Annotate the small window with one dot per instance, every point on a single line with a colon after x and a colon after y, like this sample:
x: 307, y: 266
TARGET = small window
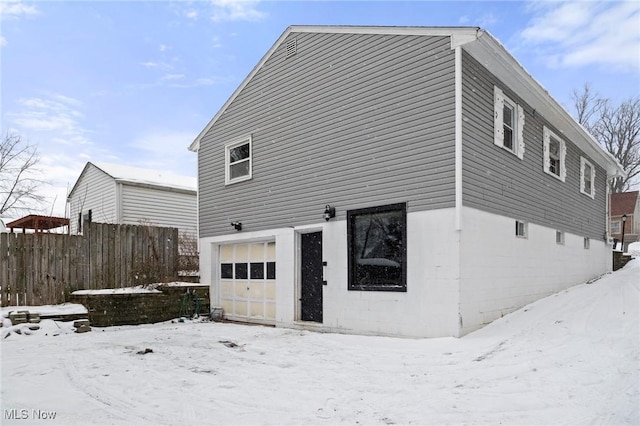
x: 271, y: 270
x: 521, y: 229
x: 559, y: 237
x: 587, y: 177
x: 242, y: 271
x: 555, y: 152
x: 615, y: 227
x: 587, y: 243
x: 238, y: 161
x: 256, y: 270
x: 377, y: 248
x: 226, y: 270
x: 508, y: 123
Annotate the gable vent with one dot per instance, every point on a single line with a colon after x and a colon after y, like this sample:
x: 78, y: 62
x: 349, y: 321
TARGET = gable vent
x: 292, y: 47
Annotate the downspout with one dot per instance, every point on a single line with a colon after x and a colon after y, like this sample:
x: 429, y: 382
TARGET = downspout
x: 458, y: 176
x: 118, y: 211
x: 607, y: 232
x: 458, y: 138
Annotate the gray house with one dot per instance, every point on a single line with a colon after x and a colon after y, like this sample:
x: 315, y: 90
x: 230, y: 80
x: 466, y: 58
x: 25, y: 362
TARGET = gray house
x: 398, y: 181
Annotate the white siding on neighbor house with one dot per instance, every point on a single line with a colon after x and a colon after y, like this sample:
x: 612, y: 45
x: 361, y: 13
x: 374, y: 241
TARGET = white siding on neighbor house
x: 500, y: 272
x: 159, y: 207
x: 429, y: 308
x: 95, y: 191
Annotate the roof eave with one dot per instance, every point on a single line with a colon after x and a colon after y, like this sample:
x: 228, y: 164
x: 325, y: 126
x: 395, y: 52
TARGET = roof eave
x: 493, y: 56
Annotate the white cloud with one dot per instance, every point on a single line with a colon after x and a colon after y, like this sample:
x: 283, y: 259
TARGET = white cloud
x: 486, y: 20
x: 574, y: 34
x: 191, y: 14
x: 14, y: 9
x: 167, y: 150
x: 236, y: 10
x: 3, y: 41
x: 172, y: 77
x: 57, y: 113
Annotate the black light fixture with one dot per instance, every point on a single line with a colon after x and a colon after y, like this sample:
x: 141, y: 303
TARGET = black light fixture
x: 624, y: 220
x: 329, y: 212
x: 237, y: 226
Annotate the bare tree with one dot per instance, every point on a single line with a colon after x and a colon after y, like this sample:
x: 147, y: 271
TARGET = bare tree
x: 616, y: 128
x: 18, y: 170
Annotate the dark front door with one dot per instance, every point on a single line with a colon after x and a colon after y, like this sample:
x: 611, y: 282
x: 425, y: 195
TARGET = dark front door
x: 311, y: 276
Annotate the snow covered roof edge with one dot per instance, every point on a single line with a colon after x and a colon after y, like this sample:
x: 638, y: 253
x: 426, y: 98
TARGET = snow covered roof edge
x: 140, y: 176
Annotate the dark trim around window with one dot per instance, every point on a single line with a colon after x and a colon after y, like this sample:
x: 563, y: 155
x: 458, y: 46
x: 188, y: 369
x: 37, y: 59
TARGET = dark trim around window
x: 381, y: 264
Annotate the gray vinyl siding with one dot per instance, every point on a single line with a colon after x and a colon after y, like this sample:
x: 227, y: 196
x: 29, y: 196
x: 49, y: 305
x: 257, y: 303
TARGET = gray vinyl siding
x: 95, y: 191
x: 496, y: 181
x: 350, y: 120
x: 159, y: 207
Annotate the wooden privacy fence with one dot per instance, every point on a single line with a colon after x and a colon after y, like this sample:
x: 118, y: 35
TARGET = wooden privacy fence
x: 43, y: 269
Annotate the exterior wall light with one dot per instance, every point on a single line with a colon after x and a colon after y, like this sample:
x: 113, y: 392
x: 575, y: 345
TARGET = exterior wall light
x: 329, y: 212
x: 237, y: 226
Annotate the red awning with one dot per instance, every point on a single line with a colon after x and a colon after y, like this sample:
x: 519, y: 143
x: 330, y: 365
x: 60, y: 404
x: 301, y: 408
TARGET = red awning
x: 38, y: 223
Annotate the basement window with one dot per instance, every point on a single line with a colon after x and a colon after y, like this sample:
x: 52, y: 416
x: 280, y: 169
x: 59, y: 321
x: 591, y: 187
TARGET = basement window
x: 238, y: 161
x: 521, y: 229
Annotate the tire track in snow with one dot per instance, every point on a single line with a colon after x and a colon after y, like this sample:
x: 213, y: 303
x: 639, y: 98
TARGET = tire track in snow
x: 116, y: 407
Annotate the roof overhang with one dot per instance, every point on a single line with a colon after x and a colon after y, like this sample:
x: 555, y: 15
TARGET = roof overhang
x: 491, y: 54
x: 494, y: 57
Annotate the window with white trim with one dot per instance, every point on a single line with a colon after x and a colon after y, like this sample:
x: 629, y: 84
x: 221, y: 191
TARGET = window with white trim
x: 238, y: 161
x: 508, y: 123
x: 587, y: 177
x: 521, y: 229
x: 555, y: 152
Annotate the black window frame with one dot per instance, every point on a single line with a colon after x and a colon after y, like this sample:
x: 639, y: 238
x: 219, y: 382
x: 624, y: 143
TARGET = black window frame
x: 352, y: 215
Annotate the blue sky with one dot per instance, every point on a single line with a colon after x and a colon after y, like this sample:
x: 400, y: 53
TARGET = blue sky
x: 135, y: 82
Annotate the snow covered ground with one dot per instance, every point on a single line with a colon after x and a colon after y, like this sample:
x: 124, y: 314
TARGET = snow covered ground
x: 572, y: 358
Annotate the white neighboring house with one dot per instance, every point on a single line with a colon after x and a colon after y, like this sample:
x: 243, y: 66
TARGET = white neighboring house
x: 112, y: 193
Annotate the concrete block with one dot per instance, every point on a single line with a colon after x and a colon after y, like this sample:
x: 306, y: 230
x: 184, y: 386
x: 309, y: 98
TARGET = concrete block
x: 80, y: 323
x: 83, y: 329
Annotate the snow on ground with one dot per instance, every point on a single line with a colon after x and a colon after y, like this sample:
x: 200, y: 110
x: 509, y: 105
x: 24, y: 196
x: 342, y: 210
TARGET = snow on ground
x: 572, y: 358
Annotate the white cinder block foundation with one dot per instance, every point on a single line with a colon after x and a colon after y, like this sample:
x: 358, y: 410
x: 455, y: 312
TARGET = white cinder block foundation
x: 457, y: 281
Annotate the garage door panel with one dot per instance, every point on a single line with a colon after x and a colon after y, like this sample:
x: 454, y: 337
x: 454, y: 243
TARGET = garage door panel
x: 226, y: 289
x: 241, y: 289
x: 226, y: 253
x: 270, y: 290
x: 270, y: 310
x: 257, y: 290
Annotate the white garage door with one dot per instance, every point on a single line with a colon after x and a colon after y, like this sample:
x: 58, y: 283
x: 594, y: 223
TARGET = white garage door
x: 248, y: 281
